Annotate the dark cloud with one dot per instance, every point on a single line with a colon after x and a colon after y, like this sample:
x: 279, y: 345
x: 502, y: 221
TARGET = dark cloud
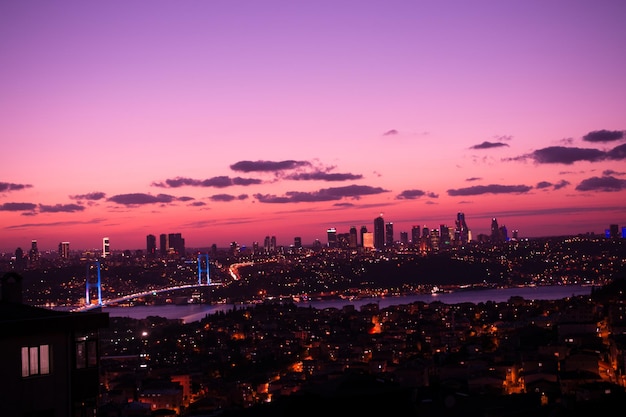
x: 390, y: 132
x: 619, y: 152
x: 612, y: 172
x: 489, y: 145
x: 606, y: 183
x: 66, y: 223
x: 546, y: 184
x: 18, y: 207
x: 198, y: 204
x: 141, y: 198
x: 603, y: 136
x: 490, y: 189
x: 565, y: 155
x: 217, y: 182
x: 267, y: 166
x: 185, y: 198
x: 61, y: 208
x: 9, y: 186
x: 228, y: 197
x: 473, y: 179
x: 89, y: 196
x: 323, y: 176
x: 413, y: 194
x: 325, y: 194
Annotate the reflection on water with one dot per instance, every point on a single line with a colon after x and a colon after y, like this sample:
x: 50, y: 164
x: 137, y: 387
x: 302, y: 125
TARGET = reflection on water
x: 194, y: 312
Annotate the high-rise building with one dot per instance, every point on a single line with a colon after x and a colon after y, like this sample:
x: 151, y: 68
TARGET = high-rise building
x: 176, y: 243
x: 389, y: 238
x: 151, y: 246
x: 33, y: 254
x: 331, y: 233
x: 404, y: 238
x: 461, y: 231
x: 273, y: 245
x: 106, y: 247
x: 363, y: 231
x: 297, y: 242
x: 266, y: 244
x: 64, y: 250
x: 415, y: 235
x: 353, y: 238
x: 379, y: 232
x: 368, y: 240
x: 614, y: 231
x: 163, y: 244
x: 495, y: 231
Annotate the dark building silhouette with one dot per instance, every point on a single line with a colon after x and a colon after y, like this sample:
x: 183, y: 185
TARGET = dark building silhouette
x: 49, y: 359
x: 379, y: 232
x: 363, y: 231
x: 461, y: 231
x: 353, y: 237
x: 389, y: 237
x: 331, y: 234
x: 151, y: 246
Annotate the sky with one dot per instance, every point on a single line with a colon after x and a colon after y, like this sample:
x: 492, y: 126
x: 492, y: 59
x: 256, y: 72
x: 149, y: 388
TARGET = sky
x: 229, y: 121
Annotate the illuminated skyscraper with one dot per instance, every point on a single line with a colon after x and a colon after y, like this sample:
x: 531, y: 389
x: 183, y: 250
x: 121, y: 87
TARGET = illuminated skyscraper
x: 64, y: 250
x: 176, y: 243
x: 353, y: 238
x: 363, y: 231
x: 368, y: 240
x: 331, y: 233
x: 379, y: 232
x: 495, y: 231
x: 106, y: 247
x: 461, y: 232
x: 389, y: 238
x: 415, y: 235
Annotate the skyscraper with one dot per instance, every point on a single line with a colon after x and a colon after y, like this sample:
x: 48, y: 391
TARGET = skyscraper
x: 106, y: 247
x: 331, y: 233
x: 64, y: 250
x: 495, y: 231
x: 389, y: 238
x: 363, y: 231
x: 461, y: 232
x: 415, y: 235
x: 163, y: 244
x: 353, y: 237
x: 379, y: 232
x: 151, y: 246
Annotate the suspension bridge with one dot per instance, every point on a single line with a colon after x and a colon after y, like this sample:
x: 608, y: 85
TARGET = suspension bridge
x: 93, y: 285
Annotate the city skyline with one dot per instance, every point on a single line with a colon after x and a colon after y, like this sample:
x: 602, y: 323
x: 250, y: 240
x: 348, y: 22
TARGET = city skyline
x: 231, y: 121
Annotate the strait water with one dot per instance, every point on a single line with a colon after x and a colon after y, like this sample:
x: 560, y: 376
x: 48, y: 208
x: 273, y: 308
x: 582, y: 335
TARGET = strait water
x: 194, y: 312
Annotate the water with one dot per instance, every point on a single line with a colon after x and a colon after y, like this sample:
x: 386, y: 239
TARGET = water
x: 194, y: 312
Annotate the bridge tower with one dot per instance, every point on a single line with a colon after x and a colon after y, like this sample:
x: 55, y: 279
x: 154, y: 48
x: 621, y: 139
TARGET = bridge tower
x: 203, y: 268
x: 93, y: 268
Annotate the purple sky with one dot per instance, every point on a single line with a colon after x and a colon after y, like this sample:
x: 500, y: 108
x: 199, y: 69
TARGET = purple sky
x: 232, y: 120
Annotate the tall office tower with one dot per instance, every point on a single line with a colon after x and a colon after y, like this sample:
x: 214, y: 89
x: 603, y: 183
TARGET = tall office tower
x: 444, y: 235
x: 266, y: 244
x: 461, y: 232
x: 297, y: 242
x: 363, y: 231
x: 389, y: 238
x: 151, y: 246
x: 176, y: 243
x: 515, y: 234
x: 425, y: 240
x: 331, y: 233
x: 163, y: 244
x: 434, y: 239
x: 379, y: 232
x: 64, y: 250
x: 255, y: 247
x: 368, y: 240
x: 353, y: 237
x: 495, y: 231
x: 33, y: 254
x: 234, y: 248
x: 415, y: 235
x: 404, y: 238
x: 503, y: 234
x: 106, y: 247
x: 273, y: 246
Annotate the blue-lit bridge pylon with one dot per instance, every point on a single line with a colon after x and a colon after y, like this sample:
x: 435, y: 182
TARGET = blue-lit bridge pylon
x: 203, y: 269
x: 93, y: 271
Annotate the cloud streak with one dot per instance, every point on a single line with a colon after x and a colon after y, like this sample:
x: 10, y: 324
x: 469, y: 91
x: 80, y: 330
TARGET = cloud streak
x: 325, y: 194
x: 60, y: 208
x: 415, y: 194
x: 90, y: 196
x: 9, y: 186
x: 323, y: 176
x: 490, y: 189
x: 489, y: 145
x: 217, y: 182
x: 603, y: 184
x: 18, y: 207
x: 136, y: 199
x: 603, y: 136
x: 268, y: 166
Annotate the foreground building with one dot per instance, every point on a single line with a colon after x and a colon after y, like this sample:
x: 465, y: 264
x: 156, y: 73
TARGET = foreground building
x: 49, y: 360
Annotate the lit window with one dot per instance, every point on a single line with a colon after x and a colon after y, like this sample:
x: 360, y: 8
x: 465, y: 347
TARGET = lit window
x: 35, y: 360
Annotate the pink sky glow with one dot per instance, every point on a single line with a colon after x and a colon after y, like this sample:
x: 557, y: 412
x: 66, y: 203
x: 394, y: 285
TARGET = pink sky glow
x: 232, y: 120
